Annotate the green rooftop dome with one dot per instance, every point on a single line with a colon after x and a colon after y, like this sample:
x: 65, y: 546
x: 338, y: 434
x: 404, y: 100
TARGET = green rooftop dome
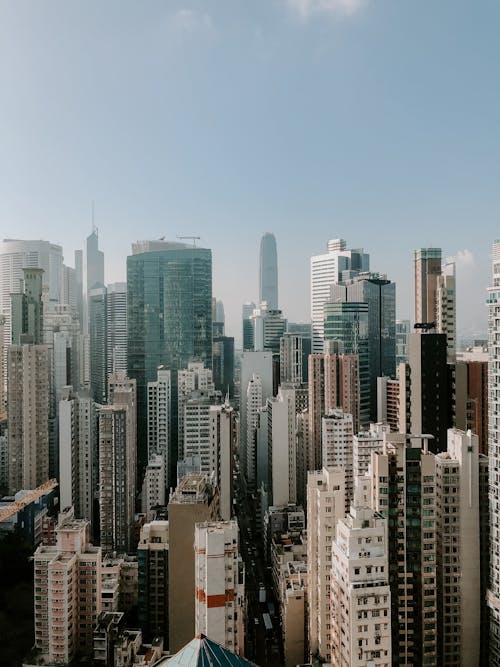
x: 203, y: 652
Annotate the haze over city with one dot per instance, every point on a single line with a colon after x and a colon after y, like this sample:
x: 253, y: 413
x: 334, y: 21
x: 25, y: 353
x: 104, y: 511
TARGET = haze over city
x: 312, y: 119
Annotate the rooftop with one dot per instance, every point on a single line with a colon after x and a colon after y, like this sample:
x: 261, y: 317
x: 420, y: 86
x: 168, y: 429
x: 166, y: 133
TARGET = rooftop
x: 203, y: 652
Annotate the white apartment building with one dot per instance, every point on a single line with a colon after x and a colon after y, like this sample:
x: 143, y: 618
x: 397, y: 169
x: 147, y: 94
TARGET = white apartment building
x: 446, y: 309
x: 336, y: 447
x: 325, y: 506
x: 193, y: 378
x: 363, y: 444
x: 159, y: 418
x: 252, y: 407
x: 493, y: 301
x: 220, y: 585
x: 153, y: 486
x: 360, y: 592
x: 67, y: 591
x: 222, y: 427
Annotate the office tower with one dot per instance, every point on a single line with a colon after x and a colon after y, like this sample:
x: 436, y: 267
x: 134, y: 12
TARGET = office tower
x: 326, y: 270
x: 223, y: 364
x: 69, y: 290
x: 435, y: 294
x: 152, y: 556
x: 360, y: 592
x: 252, y: 406
x: 117, y: 465
x: 282, y: 412
x: 116, y: 328
x: 97, y: 332
x: 268, y: 271
x: 380, y: 295
x: 67, y: 591
x: 169, y: 320
x: 304, y: 331
x: 363, y: 444
x: 325, y: 506
x: 219, y: 584
x: 333, y: 383
x: 253, y: 363
x: 403, y: 479
x: 336, y: 446
x: 262, y: 447
x: 153, y: 486
x: 403, y: 331
x: 28, y: 416
x: 222, y: 434
x: 493, y: 301
x: 195, y: 500
x: 27, y: 309
x: 268, y: 328
x: 429, y: 393
x: 346, y: 324
x: 159, y: 420
x: 458, y: 531
x: 92, y: 271
x: 247, y: 324
x: 79, y: 284
x: 388, y: 401
x: 427, y: 267
x: 291, y: 359
x: 78, y: 454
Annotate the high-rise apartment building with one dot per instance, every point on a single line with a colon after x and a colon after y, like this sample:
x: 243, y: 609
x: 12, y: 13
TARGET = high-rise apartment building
x: 336, y: 446
x: 116, y: 328
x: 169, y: 320
x: 403, y: 482
x: 117, y: 465
x: 403, y: 330
x: 326, y: 270
x: 282, y: 412
x: 494, y: 452
x: 67, y: 586
x: 152, y: 556
x: 222, y: 435
x: 253, y: 405
x: 195, y: 500
x: 27, y: 309
x: 97, y: 332
x: 28, y: 416
x: 360, y: 592
x: 219, y: 584
x: 268, y: 271
x: 325, y: 506
x: 159, y: 419
x: 153, y: 486
x: 363, y: 444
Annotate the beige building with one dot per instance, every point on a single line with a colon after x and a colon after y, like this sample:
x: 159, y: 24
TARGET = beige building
x: 67, y: 591
x: 28, y: 421
x: 360, y: 592
x: 363, y: 444
x: 458, y: 530
x: 222, y: 433
x: 219, y: 584
x: 195, y: 500
x: 325, y: 506
x: 336, y: 447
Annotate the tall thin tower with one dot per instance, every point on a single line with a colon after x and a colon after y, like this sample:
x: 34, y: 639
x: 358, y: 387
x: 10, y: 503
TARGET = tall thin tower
x: 268, y: 271
x: 493, y: 596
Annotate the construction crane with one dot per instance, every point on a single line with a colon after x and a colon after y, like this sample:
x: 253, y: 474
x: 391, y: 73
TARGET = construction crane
x: 29, y: 498
x: 192, y: 238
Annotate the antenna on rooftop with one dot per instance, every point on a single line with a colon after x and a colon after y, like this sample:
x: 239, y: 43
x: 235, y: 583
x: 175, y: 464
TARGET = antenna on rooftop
x: 192, y: 238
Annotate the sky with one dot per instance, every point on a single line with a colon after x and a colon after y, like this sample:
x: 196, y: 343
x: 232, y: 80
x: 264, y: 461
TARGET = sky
x: 377, y: 121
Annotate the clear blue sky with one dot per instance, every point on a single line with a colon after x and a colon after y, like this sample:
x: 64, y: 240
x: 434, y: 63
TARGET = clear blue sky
x: 373, y: 120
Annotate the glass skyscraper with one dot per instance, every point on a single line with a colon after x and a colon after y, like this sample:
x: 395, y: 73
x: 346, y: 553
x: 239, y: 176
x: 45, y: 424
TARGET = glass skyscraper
x: 346, y: 323
x: 169, y: 314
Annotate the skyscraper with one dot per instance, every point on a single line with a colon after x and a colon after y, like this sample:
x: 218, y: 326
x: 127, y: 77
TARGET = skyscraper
x: 494, y: 453
x: 169, y: 315
x: 92, y: 271
x: 326, y: 270
x: 268, y: 271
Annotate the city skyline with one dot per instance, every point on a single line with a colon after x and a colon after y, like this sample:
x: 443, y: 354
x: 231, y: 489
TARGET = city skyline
x: 311, y: 129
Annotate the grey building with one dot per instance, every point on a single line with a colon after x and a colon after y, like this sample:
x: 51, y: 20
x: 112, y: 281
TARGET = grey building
x: 268, y: 271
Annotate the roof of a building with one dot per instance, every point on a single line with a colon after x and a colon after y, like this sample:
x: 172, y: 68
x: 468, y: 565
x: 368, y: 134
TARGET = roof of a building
x: 203, y: 652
